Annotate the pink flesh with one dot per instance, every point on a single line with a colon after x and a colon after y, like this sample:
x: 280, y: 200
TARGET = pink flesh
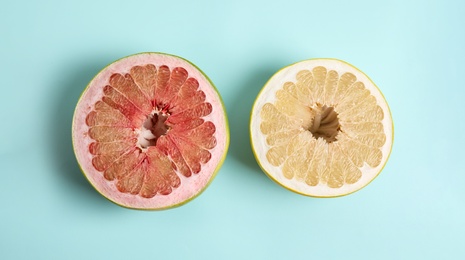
x: 128, y: 100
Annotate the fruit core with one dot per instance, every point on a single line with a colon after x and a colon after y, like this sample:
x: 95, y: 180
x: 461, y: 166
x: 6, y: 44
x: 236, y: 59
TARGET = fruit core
x: 153, y: 127
x: 325, y: 123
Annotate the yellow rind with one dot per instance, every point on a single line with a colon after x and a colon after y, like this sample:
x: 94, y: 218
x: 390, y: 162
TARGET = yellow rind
x: 220, y: 163
x: 301, y: 193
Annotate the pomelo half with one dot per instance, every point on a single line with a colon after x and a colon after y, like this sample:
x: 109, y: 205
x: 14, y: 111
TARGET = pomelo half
x: 321, y: 128
x: 150, y: 131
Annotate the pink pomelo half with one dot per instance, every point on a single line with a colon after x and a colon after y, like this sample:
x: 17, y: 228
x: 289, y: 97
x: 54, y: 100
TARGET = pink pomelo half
x: 150, y: 131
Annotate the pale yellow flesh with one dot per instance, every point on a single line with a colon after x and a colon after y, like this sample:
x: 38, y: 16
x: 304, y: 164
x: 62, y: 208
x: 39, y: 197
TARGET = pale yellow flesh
x: 324, y: 128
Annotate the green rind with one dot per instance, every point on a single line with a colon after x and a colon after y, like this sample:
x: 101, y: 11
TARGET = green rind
x: 311, y: 195
x: 220, y: 163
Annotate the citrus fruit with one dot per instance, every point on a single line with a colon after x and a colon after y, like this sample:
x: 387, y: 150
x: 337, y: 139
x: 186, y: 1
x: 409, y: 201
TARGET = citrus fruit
x: 150, y: 131
x: 321, y: 128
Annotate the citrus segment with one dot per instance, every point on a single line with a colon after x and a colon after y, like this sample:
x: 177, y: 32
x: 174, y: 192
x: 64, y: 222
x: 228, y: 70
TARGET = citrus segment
x: 280, y: 138
x: 188, y: 96
x: 150, y: 131
x: 119, y: 102
x: 317, y: 88
x: 292, y: 107
x: 177, y: 79
x: 275, y: 122
x: 96, y: 148
x: 201, y: 135
x: 106, y: 116
x: 330, y: 87
x: 194, y: 155
x: 145, y: 78
x: 187, y: 125
x: 159, y: 176
x: 346, y: 81
x: 122, y: 165
x: 303, y: 83
x: 201, y: 110
x: 128, y: 88
x: 161, y: 89
x: 321, y: 128
x: 110, y: 133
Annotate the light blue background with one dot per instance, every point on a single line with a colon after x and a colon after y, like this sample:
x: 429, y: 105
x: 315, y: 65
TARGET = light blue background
x: 413, y: 50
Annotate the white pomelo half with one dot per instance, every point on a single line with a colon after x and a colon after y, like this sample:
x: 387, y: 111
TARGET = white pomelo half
x: 321, y: 128
x: 150, y: 131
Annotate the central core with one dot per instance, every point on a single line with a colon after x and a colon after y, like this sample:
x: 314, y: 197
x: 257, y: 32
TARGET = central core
x: 152, y: 129
x: 325, y: 123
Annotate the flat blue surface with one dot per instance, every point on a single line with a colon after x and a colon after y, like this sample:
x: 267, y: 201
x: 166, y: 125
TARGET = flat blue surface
x: 414, y: 51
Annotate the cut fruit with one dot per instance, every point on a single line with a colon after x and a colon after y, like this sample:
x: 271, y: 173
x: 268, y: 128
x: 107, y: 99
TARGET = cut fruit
x: 321, y: 128
x: 150, y: 131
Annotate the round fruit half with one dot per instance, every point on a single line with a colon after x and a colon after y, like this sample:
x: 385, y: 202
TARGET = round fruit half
x: 321, y: 128
x: 150, y: 131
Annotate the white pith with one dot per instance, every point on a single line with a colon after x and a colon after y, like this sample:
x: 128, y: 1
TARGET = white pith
x: 267, y: 95
x: 144, y: 135
x: 191, y: 186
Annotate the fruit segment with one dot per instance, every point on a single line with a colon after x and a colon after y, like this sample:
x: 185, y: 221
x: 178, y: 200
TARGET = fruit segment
x: 110, y: 133
x: 159, y: 177
x: 149, y: 129
x: 201, y: 110
x: 330, y: 87
x: 123, y: 165
x: 292, y: 107
x: 162, y: 86
x: 295, y: 165
x: 318, y: 86
x: 145, y: 78
x: 104, y: 115
x: 177, y: 79
x: 188, y: 96
x: 201, y: 136
x: 167, y: 145
x: 192, y: 154
x: 304, y: 86
x: 117, y: 101
x: 96, y: 148
x: 323, y: 128
x: 281, y: 138
x: 276, y: 122
x: 317, y: 165
x: 127, y: 87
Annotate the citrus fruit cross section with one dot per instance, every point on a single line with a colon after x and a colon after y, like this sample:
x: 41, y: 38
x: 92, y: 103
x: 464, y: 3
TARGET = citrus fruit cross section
x: 321, y: 127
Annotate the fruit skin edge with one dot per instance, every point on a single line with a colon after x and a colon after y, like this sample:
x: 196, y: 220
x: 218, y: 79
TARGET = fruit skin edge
x: 220, y: 163
x: 295, y: 191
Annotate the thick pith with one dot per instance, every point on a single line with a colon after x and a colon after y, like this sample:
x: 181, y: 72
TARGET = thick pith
x: 330, y: 163
x: 111, y: 118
